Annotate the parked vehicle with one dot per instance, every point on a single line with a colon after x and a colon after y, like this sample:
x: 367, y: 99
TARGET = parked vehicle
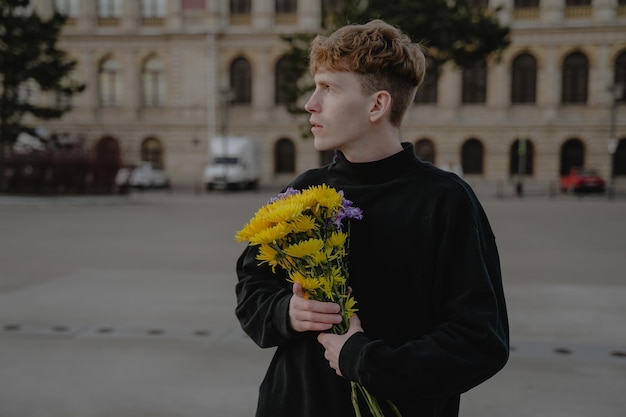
x: 580, y: 180
x: 235, y: 163
x: 142, y: 176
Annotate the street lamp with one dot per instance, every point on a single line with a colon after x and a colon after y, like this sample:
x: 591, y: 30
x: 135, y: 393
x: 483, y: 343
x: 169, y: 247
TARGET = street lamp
x: 617, y: 91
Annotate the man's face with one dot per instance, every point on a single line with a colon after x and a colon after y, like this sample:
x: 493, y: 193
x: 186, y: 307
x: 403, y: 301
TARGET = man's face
x: 339, y: 110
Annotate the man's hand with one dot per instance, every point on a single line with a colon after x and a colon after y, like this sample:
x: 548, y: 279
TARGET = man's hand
x: 310, y: 315
x: 333, y: 343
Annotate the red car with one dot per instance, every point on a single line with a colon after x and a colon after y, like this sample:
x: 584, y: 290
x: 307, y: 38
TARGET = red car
x: 581, y: 180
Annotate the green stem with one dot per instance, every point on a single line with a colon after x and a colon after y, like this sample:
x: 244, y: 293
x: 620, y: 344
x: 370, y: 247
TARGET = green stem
x: 372, y: 402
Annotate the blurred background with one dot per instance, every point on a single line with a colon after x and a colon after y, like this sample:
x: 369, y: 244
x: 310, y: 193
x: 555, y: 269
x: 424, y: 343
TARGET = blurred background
x: 517, y: 92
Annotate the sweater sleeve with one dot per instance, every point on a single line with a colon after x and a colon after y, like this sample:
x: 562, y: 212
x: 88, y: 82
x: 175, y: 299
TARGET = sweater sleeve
x: 262, y: 301
x: 469, y: 340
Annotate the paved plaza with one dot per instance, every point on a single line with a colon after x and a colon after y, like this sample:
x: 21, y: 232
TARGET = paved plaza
x: 123, y: 306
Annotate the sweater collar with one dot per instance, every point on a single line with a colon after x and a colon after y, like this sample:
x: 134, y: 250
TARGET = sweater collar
x: 379, y: 171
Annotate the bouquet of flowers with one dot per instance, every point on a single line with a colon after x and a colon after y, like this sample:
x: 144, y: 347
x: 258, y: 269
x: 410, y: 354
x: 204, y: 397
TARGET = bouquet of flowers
x: 303, y: 233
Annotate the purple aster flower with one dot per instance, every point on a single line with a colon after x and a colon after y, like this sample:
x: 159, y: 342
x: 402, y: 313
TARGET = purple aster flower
x: 287, y: 193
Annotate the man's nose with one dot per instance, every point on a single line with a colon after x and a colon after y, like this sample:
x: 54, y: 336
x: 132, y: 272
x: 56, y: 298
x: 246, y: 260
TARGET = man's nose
x: 311, y: 105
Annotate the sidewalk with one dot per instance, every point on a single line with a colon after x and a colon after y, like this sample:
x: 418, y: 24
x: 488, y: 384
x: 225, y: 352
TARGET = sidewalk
x: 126, y: 309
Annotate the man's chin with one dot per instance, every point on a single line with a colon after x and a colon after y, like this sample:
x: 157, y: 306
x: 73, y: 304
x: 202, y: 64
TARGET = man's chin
x: 322, y: 146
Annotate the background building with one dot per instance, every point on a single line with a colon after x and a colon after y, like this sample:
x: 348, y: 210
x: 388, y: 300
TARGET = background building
x: 164, y: 76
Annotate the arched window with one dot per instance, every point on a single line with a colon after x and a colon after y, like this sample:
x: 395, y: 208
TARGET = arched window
x: 427, y: 93
x: 238, y: 7
x: 109, y: 8
x: 107, y: 162
x: 425, y: 150
x: 153, y: 83
x: 572, y: 155
x: 283, y: 83
x: 619, y: 158
x: 574, y: 79
x: 620, y: 74
x: 68, y: 8
x: 110, y: 83
x: 241, y: 81
x: 284, y: 156
x: 522, y: 157
x: 286, y: 6
x: 525, y: 4
x: 524, y: 79
x: 152, y: 151
x: 474, y: 88
x: 153, y: 8
x: 472, y: 153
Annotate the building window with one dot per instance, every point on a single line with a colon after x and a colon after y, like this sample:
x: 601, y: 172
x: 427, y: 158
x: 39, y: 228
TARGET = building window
x: 67, y: 8
x: 427, y: 92
x: 194, y: 4
x: 26, y: 92
x: 63, y: 100
x: 474, y: 88
x: 284, y: 157
x: 286, y: 6
x: 526, y: 4
x: 153, y: 8
x: 283, y: 83
x: 478, y: 4
x: 619, y: 158
x: 152, y: 151
x: 572, y: 155
x: 472, y: 153
x: 571, y: 3
x: 425, y: 150
x: 241, y: 81
x: 620, y: 74
x: 524, y: 79
x: 110, y: 86
x: 240, y: 7
x: 574, y: 79
x: 153, y: 83
x: 331, y: 6
x: 109, y: 8
x: 522, y: 156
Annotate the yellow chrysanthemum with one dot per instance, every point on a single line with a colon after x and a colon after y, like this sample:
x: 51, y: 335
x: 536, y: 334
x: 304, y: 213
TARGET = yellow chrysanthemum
x: 303, y: 224
x: 269, y: 255
x: 326, y: 196
x: 337, y: 239
x: 271, y: 234
x: 338, y: 277
x: 350, y: 306
x: 305, y: 248
x: 256, y: 225
x: 309, y: 285
x: 327, y: 287
x: 318, y: 258
x: 285, y: 210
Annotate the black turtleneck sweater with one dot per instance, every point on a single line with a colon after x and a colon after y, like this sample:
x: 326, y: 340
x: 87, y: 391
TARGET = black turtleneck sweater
x: 425, y: 272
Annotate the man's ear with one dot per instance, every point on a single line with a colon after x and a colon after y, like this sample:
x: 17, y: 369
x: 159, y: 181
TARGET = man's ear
x: 381, y: 105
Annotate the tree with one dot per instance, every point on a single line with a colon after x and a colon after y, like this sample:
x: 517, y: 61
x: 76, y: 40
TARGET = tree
x: 461, y: 31
x: 30, y: 59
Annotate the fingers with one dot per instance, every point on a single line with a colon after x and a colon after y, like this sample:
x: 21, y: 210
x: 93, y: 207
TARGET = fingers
x: 311, y: 315
x: 333, y: 343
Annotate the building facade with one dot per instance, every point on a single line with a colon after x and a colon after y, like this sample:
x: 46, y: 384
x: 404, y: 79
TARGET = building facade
x: 165, y: 76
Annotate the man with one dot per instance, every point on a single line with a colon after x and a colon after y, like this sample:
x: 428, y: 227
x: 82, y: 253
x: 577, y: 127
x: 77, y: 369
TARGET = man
x: 423, y: 263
